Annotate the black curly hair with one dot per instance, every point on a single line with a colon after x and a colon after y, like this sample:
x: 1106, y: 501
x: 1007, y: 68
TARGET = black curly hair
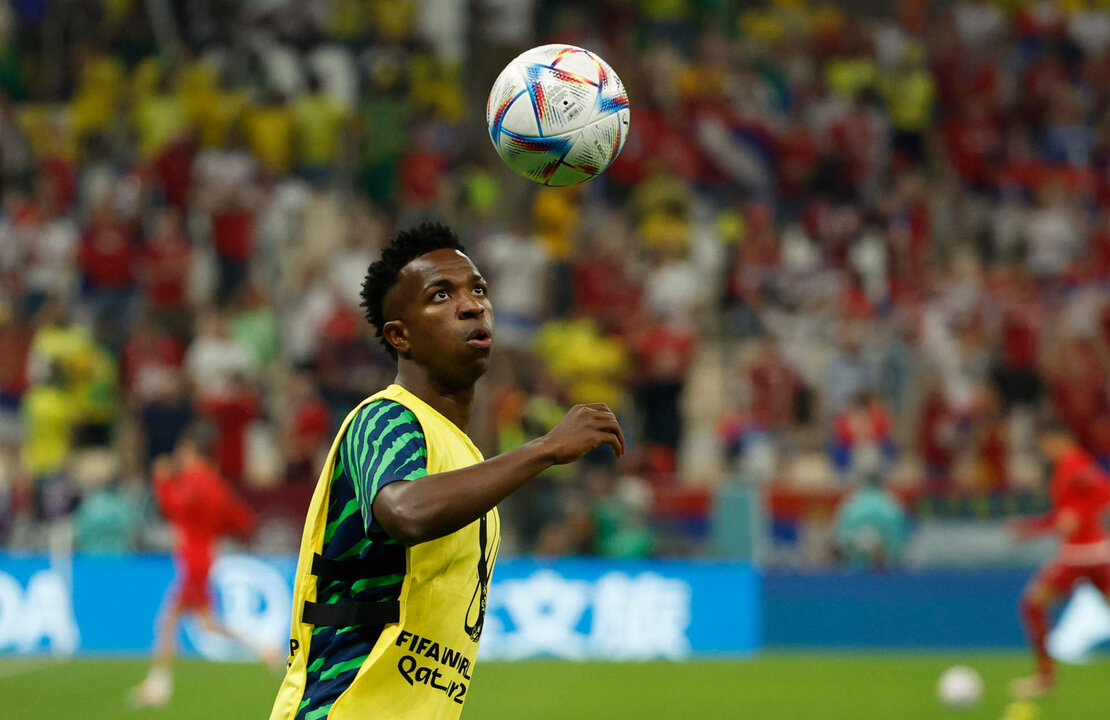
x: 382, y: 275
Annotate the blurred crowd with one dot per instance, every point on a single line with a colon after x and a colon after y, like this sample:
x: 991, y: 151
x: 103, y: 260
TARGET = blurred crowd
x: 849, y: 250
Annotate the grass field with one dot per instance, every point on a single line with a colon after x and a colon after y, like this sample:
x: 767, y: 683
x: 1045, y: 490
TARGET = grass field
x: 771, y: 687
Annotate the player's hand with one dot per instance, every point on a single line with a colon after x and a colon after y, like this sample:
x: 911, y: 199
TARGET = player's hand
x: 582, y: 429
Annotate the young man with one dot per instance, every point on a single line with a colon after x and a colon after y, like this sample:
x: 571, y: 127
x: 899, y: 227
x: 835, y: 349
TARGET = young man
x: 1080, y: 498
x: 202, y: 509
x: 402, y: 533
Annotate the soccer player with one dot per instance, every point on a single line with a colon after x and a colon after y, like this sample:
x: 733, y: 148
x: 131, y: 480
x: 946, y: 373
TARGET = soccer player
x: 202, y: 509
x: 402, y: 533
x: 1080, y: 498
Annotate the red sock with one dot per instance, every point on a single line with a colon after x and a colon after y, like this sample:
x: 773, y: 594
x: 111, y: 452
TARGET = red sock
x: 1035, y: 618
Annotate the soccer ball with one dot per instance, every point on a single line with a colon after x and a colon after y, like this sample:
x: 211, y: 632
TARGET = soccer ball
x: 558, y: 115
x: 960, y: 687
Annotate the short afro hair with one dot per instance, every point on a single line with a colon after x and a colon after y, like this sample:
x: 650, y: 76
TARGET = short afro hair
x: 383, y: 274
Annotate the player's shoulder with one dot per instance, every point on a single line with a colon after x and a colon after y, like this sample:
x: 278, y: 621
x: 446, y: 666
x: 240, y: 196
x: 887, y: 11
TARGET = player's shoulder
x: 382, y: 418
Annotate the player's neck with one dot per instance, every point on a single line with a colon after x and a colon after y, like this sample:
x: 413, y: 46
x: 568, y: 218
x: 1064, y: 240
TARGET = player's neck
x: 451, y: 403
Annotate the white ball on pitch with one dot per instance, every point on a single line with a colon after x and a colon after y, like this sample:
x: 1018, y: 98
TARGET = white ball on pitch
x: 960, y: 687
x: 558, y: 115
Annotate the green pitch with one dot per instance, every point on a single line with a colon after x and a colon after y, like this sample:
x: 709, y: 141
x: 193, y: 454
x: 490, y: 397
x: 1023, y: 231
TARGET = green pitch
x: 771, y: 687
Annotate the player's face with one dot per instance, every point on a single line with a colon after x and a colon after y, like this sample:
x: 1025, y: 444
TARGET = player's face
x: 444, y: 318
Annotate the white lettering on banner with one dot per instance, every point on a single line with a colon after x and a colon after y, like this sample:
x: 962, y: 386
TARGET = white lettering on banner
x: 44, y: 613
x: 622, y: 617
x: 639, y: 618
x: 255, y: 605
x: 545, y: 608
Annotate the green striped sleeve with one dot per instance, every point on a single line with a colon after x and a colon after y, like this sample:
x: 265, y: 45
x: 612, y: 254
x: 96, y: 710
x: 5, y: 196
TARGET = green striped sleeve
x: 384, y: 443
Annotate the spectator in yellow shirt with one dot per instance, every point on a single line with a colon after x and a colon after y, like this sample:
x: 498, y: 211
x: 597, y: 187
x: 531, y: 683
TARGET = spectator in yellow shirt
x: 160, y: 118
x: 909, y: 92
x: 49, y: 415
x: 270, y: 130
x: 320, y: 122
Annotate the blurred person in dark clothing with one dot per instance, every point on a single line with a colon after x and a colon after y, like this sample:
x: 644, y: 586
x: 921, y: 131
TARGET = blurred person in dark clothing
x: 165, y: 416
x: 664, y: 353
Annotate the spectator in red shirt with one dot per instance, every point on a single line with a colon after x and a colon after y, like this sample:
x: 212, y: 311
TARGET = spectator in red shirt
x: 776, y: 389
x: 233, y: 239
x: 148, y: 358
x: 174, y: 169
x: 163, y: 269
x: 231, y: 414
x: 862, y: 439
x: 973, y: 141
x: 1078, y: 389
x: 306, y: 430
x: 1017, y: 376
x: 663, y: 355
x: 107, y: 256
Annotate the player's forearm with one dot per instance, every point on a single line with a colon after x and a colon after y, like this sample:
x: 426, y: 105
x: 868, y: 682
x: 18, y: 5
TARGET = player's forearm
x: 437, y: 505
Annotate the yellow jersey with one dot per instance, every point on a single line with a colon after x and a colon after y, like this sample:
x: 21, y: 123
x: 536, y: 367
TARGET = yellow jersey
x: 421, y: 663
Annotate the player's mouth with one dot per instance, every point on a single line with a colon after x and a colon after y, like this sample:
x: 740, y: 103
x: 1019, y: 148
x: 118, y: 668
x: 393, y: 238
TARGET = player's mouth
x: 479, y: 338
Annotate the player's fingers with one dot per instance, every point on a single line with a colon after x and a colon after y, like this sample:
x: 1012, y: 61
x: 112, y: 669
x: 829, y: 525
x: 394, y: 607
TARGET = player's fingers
x: 606, y: 420
x: 612, y: 441
x: 614, y: 437
x: 597, y: 406
x: 620, y: 436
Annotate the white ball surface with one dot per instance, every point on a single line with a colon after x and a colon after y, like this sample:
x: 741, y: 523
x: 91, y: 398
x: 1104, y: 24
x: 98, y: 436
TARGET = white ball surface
x: 960, y: 687
x: 558, y: 115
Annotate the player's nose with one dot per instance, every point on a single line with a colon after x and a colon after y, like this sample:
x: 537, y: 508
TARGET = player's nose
x: 470, y: 307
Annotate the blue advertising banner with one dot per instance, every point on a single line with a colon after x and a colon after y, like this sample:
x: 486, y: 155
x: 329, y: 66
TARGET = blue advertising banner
x: 897, y: 609
x: 575, y: 609
x: 594, y: 609
x: 104, y: 604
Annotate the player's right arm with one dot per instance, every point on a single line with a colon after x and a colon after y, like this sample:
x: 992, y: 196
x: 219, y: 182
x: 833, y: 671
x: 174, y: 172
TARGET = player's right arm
x: 1030, y: 527
x: 432, y: 506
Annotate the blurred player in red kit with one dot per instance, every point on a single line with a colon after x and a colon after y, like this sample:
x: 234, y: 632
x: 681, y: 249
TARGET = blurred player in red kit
x: 1080, y: 494
x: 202, y: 509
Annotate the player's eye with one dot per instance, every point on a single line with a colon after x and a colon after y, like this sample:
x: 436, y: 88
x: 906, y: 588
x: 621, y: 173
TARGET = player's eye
x: 440, y: 295
x: 480, y: 290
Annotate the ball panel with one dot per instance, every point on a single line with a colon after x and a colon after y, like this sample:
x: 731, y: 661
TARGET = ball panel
x: 507, y: 85
x: 553, y: 54
x: 535, y: 158
x: 520, y: 116
x: 611, y: 96
x: 562, y: 100
x: 580, y: 64
x: 625, y: 118
x: 565, y: 175
x: 596, y: 145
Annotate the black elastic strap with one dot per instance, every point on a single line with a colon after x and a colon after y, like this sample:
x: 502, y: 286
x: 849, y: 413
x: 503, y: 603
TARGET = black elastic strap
x: 350, y: 570
x: 352, y: 613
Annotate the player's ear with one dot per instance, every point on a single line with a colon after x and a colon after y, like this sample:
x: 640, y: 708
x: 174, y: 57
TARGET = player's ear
x: 397, y: 335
